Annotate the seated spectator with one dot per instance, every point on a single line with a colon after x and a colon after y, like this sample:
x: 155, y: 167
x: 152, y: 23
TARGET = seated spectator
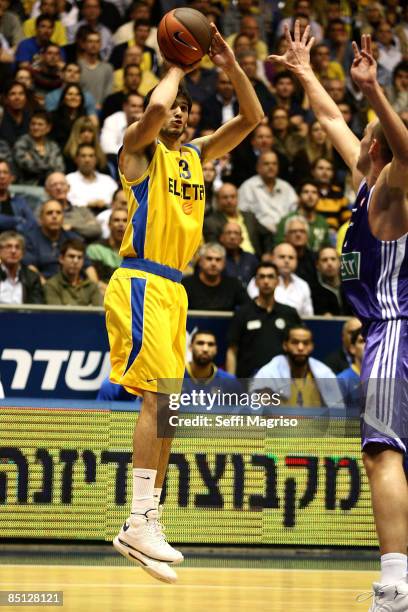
x: 209, y: 289
x: 134, y: 56
x: 349, y: 379
x: 96, y: 75
x: 18, y: 284
x: 71, y: 75
x: 221, y: 106
x: 119, y: 201
x: 291, y: 290
x: 248, y: 62
x: 301, y: 8
x: 297, y: 234
x: 234, y: 12
x: 201, y: 83
x: 338, y: 41
x: 255, y: 237
x: 45, y: 71
x: 29, y: 49
x: 70, y: 107
x: 300, y: 380
x: 285, y: 93
x: 256, y: 331
x: 35, y: 155
x: 84, y: 131
x: 328, y: 295
x: 43, y: 243
x: 316, y: 147
x: 24, y: 76
x: 341, y: 358
x: 105, y: 253
x: 90, y: 17
x: 201, y: 371
x: 211, y: 184
x: 115, y: 125
x: 249, y: 26
x: 267, y: 196
x: 318, y: 227
x: 402, y: 31
x: 141, y: 32
x: 78, y: 219
x: 10, y: 26
x: 87, y: 186
x: 47, y: 7
x: 332, y: 205
x: 288, y: 141
x: 397, y: 92
x: 15, y: 213
x: 323, y: 67
x: 68, y: 287
x: 16, y: 114
x: 132, y: 76
x: 139, y: 9
x: 239, y: 263
x: 388, y: 46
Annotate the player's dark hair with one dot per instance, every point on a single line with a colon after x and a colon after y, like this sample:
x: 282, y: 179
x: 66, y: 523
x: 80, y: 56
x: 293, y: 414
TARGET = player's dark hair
x: 286, y: 335
x: 200, y: 332
x: 73, y: 243
x: 385, y: 149
x: 355, y: 334
x: 181, y: 92
x: 267, y: 264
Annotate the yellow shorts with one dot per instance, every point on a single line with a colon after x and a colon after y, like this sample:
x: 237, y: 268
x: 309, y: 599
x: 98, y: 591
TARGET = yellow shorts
x: 146, y: 322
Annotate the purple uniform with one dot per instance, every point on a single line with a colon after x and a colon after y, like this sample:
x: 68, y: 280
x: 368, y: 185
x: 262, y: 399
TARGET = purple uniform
x: 375, y: 279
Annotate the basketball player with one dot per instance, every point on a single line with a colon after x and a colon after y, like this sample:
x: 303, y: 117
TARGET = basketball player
x: 375, y: 275
x: 146, y: 305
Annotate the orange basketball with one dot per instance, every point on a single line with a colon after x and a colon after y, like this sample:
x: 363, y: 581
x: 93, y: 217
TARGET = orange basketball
x: 184, y: 36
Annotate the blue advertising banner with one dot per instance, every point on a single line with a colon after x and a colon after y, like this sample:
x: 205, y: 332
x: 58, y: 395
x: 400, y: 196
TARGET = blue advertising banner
x: 63, y: 353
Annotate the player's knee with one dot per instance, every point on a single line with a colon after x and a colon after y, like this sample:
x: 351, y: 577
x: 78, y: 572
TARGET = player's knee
x: 377, y: 455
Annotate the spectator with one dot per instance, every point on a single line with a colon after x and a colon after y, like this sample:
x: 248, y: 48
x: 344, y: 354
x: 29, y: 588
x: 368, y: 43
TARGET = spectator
x: 291, y: 290
x: 132, y: 76
x: 134, y: 56
x: 71, y: 106
x: 397, y: 92
x: 301, y: 380
x: 71, y: 75
x: 248, y: 62
x: 29, y: 48
x: 105, y: 253
x: 250, y: 27
x: 201, y: 371
x: 141, y: 32
x: 328, y: 295
x: 256, y: 331
x: 35, y: 155
x: 45, y: 71
x: 50, y: 8
x: 297, y: 234
x: 338, y: 41
x: 268, y: 197
x: 239, y: 263
x: 341, y: 359
x: 18, y: 284
x: 194, y: 117
x: 209, y: 289
x: 333, y: 205
x: 89, y: 187
x: 90, y: 13
x: 96, y: 75
x: 221, y: 106
x: 325, y: 68
x: 15, y: 213
x: 15, y: 119
x: 116, y: 124
x: 83, y: 131
x: 118, y: 202
x: 138, y: 10
x: 255, y: 237
x: 318, y: 227
x: 287, y: 140
x: 10, y: 26
x: 211, y: 185
x: 388, y: 46
x: 43, y: 243
x: 285, y: 93
x: 316, y: 147
x: 349, y: 379
x: 233, y: 14
x: 301, y: 8
x: 201, y: 83
x: 68, y: 287
x: 78, y: 219
x: 401, y: 31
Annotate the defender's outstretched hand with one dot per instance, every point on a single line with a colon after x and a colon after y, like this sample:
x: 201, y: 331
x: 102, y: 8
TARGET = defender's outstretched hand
x: 297, y: 57
x: 364, y: 68
x: 220, y: 52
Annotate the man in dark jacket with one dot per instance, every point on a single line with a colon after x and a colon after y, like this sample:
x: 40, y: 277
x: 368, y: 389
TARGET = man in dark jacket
x: 18, y: 284
x: 327, y: 294
x: 15, y: 213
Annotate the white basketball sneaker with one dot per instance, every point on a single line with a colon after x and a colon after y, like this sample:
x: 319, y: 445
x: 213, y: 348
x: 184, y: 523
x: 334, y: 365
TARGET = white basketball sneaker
x: 390, y: 597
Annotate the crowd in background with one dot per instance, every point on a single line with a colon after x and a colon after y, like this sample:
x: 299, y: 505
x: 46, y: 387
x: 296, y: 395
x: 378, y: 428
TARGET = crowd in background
x: 72, y: 78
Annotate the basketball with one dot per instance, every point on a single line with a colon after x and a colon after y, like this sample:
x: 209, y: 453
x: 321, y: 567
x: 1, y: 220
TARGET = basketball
x: 184, y: 36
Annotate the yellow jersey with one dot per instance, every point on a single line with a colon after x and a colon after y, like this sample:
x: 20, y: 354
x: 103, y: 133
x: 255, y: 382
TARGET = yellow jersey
x: 166, y: 208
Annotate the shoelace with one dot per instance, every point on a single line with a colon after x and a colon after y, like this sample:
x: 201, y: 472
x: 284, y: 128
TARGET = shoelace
x: 157, y: 528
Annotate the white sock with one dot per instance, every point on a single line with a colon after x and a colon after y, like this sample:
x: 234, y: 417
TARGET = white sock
x: 393, y: 568
x: 143, y: 487
x: 156, y: 496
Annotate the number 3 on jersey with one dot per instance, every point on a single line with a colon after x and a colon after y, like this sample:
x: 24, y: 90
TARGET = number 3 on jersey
x: 184, y: 169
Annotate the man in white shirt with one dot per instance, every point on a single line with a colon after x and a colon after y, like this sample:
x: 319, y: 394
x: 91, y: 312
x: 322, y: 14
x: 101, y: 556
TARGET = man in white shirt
x: 268, y: 197
x: 87, y: 186
x: 116, y: 124
x: 291, y: 290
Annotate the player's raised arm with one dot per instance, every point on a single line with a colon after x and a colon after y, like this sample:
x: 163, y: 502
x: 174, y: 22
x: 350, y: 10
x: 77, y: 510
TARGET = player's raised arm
x: 364, y: 74
x: 297, y: 60
x: 250, y: 114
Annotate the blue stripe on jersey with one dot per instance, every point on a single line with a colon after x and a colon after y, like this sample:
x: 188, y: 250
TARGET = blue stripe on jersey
x: 137, y: 295
x: 141, y: 193
x: 196, y: 149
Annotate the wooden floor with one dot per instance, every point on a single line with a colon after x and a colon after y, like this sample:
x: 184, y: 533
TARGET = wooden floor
x: 128, y: 589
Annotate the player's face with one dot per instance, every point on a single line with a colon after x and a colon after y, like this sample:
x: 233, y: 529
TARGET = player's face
x: 11, y: 252
x: 266, y: 280
x: 328, y: 263
x: 203, y: 349
x: 299, y: 346
x: 212, y: 263
x: 71, y: 262
x: 177, y: 118
x: 309, y: 196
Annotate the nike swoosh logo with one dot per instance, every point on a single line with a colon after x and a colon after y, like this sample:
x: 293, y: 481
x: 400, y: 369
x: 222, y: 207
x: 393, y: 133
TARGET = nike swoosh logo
x: 177, y: 37
x: 126, y: 527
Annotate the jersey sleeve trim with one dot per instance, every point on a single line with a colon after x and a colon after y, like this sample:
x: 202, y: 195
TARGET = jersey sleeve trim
x: 196, y: 149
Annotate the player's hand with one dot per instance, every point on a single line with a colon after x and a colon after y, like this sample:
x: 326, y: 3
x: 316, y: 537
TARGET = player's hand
x: 364, y: 68
x: 220, y: 52
x: 297, y: 56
